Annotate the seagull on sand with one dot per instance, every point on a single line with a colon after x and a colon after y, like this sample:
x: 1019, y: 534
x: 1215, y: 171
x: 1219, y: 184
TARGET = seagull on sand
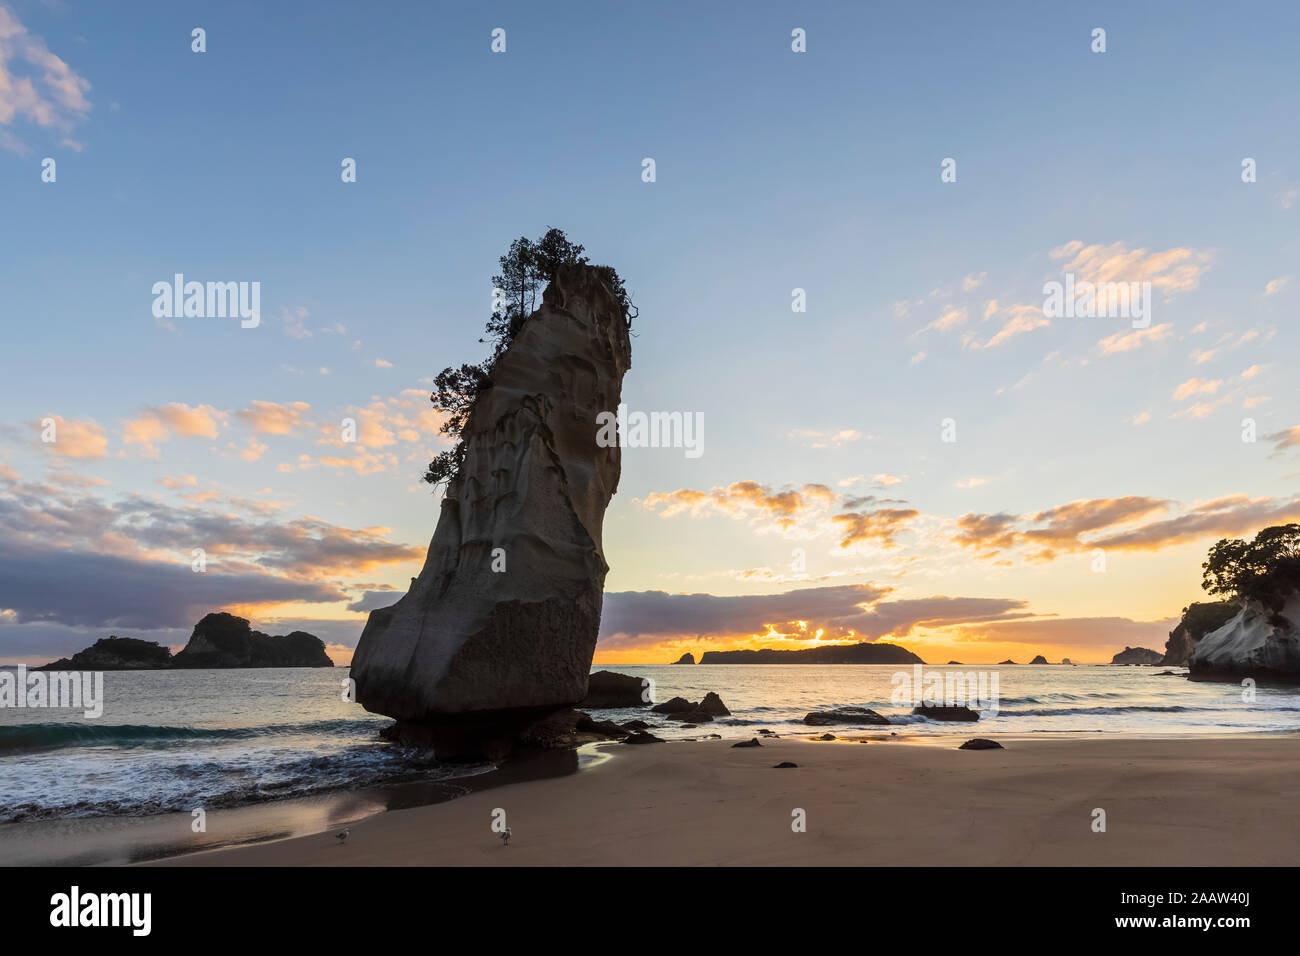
x: 505, y: 836
x: 342, y: 835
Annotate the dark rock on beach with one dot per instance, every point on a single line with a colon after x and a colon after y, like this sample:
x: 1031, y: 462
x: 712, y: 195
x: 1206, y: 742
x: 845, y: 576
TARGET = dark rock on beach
x: 939, y: 712
x: 606, y: 727
x: 752, y: 742
x: 981, y: 743
x: 674, y: 705
x: 712, y: 704
x: 642, y: 738
x: 844, y: 715
x: 784, y: 765
x: 828, y: 737
x: 608, y: 689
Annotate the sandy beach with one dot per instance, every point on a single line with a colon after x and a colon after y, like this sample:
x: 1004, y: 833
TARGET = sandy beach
x: 883, y: 802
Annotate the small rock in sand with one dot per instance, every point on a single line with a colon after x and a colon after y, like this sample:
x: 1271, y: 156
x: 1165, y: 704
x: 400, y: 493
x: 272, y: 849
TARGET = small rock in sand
x: 751, y: 742
x: 639, y: 737
x: 981, y: 743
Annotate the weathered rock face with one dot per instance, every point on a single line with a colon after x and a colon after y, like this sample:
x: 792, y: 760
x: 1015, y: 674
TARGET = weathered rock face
x: 1255, y: 642
x: 468, y: 640
x: 1137, y: 655
x: 1198, y: 620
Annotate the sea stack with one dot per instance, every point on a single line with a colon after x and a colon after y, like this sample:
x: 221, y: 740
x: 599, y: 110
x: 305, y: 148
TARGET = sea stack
x: 487, y: 641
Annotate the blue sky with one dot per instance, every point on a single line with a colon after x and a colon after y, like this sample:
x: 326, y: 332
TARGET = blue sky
x: 775, y: 171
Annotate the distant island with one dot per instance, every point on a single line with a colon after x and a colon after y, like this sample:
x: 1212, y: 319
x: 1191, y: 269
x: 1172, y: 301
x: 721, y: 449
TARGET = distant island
x: 830, y: 654
x: 218, y: 641
x: 1137, y: 655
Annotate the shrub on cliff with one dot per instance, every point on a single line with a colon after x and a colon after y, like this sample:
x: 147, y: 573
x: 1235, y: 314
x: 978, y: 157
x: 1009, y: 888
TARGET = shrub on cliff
x: 1265, y: 570
x: 525, y: 268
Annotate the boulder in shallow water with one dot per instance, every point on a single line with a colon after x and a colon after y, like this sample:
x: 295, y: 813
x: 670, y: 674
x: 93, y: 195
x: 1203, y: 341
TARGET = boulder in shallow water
x: 941, y: 712
x: 606, y: 689
x: 844, y: 715
x: 712, y: 704
x: 674, y: 705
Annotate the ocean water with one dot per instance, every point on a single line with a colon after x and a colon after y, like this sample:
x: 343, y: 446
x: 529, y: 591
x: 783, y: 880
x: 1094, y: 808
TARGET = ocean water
x: 169, y: 741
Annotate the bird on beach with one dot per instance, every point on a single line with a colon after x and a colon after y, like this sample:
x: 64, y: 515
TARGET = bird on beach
x: 505, y: 836
x: 342, y: 835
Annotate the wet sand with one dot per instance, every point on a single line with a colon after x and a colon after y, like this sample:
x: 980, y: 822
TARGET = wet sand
x: 883, y: 802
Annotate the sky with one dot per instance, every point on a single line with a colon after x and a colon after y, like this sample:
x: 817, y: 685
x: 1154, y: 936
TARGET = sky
x: 1095, y: 460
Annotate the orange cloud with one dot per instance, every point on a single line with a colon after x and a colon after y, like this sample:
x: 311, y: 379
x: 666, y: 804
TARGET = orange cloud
x: 270, y: 418
x: 1128, y: 341
x: 71, y: 438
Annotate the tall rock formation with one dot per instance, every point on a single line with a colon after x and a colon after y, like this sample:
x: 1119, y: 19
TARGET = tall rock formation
x: 471, y: 654
x: 1255, y: 642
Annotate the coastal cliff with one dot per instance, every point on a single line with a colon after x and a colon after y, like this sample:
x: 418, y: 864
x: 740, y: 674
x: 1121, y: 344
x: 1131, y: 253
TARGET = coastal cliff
x: 1255, y: 642
x: 1198, y: 620
x: 500, y: 626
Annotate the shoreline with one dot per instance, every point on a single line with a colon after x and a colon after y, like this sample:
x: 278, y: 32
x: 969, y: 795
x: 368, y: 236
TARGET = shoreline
x: 920, y: 802
x: 164, y: 837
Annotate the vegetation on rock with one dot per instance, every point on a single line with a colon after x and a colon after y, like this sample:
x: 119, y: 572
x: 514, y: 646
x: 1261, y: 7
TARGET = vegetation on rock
x: 525, y: 269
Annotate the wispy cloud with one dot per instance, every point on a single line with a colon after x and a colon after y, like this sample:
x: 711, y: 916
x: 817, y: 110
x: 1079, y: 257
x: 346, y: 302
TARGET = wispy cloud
x: 37, y: 86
